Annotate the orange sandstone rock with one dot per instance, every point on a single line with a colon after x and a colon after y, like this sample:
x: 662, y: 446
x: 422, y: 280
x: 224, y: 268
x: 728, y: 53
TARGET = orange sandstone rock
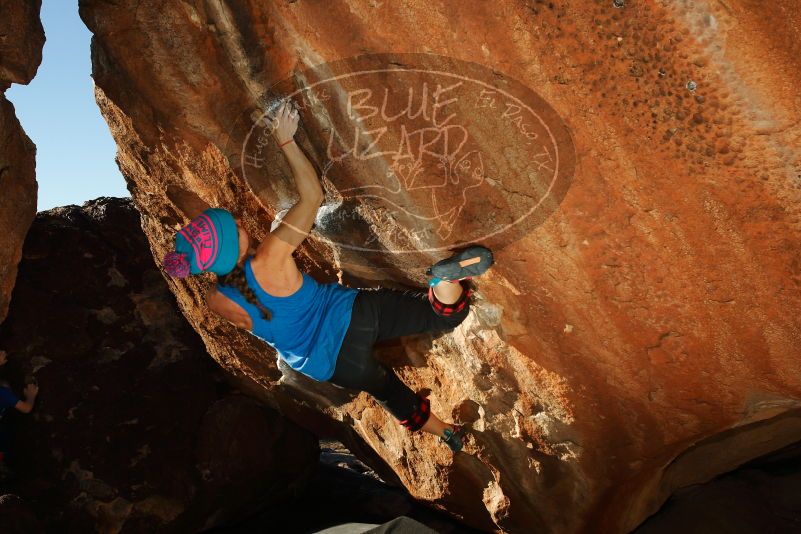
x: 21, y: 42
x: 636, y: 170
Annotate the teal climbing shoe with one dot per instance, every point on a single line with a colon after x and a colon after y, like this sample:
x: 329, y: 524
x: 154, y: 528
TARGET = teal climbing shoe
x: 466, y: 263
x: 453, y: 439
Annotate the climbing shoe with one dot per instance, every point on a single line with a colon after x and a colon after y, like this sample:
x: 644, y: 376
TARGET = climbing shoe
x: 467, y: 263
x: 453, y: 438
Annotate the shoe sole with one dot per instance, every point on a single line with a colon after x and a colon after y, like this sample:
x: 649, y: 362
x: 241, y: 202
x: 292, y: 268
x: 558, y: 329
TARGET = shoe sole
x: 472, y: 261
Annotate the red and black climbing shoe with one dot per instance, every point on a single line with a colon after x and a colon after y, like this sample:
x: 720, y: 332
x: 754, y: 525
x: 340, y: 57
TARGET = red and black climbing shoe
x: 417, y: 419
x: 454, y: 438
x: 467, y: 263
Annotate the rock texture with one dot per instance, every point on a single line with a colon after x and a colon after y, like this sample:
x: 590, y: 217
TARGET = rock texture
x: 761, y: 496
x: 641, y: 335
x: 16, y: 516
x: 21, y: 42
x: 135, y: 429
x: 344, y: 490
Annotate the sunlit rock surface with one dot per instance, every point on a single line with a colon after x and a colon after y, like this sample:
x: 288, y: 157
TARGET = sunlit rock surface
x: 640, y: 329
x: 21, y: 42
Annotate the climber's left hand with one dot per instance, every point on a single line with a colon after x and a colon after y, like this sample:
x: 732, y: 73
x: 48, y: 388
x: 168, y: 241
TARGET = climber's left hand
x: 285, y: 122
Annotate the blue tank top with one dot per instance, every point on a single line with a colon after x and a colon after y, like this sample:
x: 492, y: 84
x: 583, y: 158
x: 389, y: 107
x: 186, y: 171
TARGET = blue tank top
x: 307, y: 327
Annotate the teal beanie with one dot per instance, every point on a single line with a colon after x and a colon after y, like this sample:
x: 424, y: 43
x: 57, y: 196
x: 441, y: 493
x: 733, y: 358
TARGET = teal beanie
x: 210, y: 242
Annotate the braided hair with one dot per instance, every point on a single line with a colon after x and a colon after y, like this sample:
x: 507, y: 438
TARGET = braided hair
x: 237, y: 280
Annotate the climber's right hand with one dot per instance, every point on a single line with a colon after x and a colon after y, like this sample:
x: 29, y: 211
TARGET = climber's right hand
x: 31, y: 391
x: 285, y: 122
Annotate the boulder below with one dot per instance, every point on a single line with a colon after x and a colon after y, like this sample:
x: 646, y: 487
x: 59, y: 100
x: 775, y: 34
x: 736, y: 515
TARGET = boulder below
x: 135, y: 428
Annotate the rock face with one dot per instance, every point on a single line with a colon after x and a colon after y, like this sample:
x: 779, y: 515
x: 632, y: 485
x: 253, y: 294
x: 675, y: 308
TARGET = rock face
x: 761, y: 496
x: 636, y: 170
x: 134, y: 429
x: 21, y: 42
x: 16, y: 516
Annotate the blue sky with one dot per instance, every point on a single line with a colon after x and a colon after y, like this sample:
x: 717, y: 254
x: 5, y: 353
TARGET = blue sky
x: 75, y: 151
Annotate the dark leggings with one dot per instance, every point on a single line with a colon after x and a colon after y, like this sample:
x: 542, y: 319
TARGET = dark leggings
x: 380, y: 314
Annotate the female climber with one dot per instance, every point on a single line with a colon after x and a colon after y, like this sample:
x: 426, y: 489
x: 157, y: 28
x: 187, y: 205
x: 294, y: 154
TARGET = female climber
x: 325, y: 331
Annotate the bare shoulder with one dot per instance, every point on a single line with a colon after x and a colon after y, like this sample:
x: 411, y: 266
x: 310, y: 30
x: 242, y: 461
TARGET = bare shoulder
x: 275, y: 261
x: 214, y: 300
x: 277, y: 274
x: 273, y: 249
x: 228, y: 309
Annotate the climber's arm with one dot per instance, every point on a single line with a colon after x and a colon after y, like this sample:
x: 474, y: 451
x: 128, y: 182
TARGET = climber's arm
x: 306, y: 179
x: 297, y: 223
x: 26, y: 406
x: 293, y: 229
x: 228, y: 309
